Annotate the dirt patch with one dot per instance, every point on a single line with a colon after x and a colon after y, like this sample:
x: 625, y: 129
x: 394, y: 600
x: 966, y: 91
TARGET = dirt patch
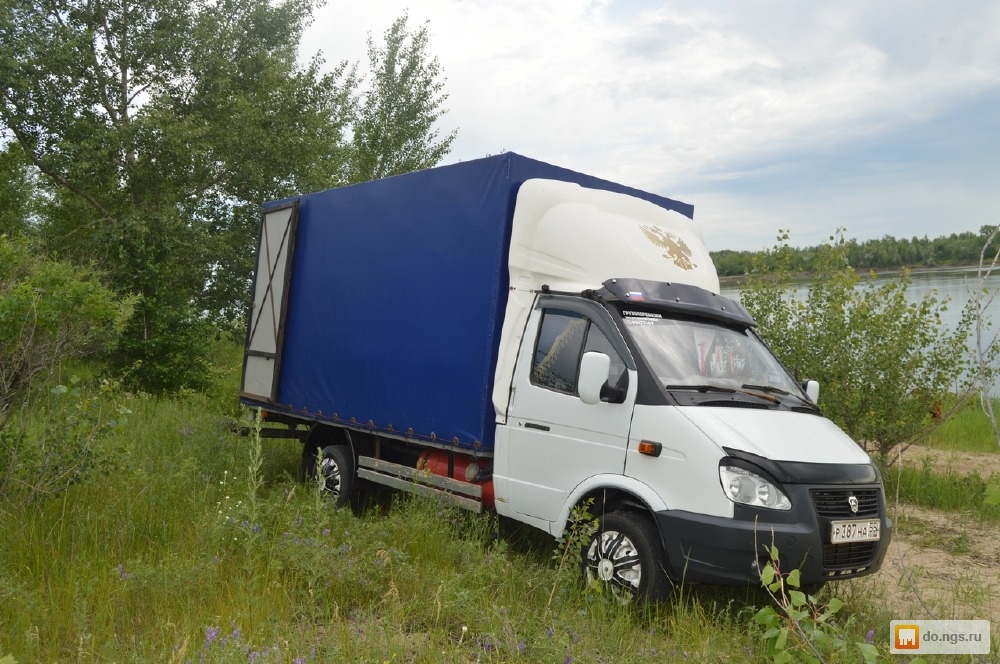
x: 963, y: 463
x: 940, y: 565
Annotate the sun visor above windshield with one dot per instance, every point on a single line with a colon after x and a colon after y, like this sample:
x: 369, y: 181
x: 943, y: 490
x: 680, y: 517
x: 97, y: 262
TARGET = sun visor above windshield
x: 680, y: 298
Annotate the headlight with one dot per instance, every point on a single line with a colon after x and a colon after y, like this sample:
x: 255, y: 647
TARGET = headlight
x: 742, y: 486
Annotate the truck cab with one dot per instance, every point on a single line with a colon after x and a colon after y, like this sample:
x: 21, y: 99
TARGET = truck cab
x: 656, y: 403
x: 660, y: 405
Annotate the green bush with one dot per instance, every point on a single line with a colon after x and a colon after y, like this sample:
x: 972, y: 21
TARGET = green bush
x: 62, y: 445
x: 50, y: 311
x: 885, y: 365
x: 800, y: 628
x: 164, y: 349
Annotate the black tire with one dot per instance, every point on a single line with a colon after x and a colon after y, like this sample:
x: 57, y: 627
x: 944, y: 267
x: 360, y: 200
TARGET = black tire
x: 319, y: 436
x: 626, y: 556
x: 337, y: 466
x: 307, y: 465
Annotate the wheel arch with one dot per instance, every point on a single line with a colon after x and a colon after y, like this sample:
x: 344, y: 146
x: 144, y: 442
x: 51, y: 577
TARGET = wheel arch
x: 610, y: 492
x: 321, y: 435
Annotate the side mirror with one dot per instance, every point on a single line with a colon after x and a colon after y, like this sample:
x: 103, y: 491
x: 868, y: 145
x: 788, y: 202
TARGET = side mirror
x: 594, y: 369
x: 812, y: 390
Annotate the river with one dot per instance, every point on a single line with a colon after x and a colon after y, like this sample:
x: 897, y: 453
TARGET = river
x: 952, y: 282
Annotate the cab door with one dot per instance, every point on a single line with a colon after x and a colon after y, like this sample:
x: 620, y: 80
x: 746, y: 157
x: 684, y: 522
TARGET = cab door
x: 553, y: 440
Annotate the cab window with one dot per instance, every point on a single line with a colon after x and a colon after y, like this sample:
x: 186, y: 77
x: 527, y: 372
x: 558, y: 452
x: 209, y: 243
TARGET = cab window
x: 562, y: 339
x: 557, y: 353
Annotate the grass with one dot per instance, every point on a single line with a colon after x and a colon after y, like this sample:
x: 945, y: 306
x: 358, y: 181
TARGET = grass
x: 967, y: 431
x: 946, y: 490
x: 192, y: 543
x: 945, y: 487
x: 182, y: 554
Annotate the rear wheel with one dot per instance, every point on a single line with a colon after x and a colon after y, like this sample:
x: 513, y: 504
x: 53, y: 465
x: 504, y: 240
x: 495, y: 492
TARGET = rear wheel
x: 307, y: 465
x: 336, y: 466
x: 625, y: 555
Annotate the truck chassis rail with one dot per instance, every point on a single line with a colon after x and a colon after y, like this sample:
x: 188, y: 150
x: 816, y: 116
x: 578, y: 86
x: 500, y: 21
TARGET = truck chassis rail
x: 421, y: 482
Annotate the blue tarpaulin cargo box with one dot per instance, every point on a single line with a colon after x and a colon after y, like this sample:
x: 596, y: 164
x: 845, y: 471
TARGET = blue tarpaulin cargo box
x: 394, y: 299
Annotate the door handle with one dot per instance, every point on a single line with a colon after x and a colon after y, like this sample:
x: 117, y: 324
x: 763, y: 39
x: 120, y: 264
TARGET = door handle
x: 532, y: 425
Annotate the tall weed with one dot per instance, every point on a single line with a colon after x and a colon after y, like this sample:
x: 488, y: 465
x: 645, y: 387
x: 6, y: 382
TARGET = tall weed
x: 944, y: 489
x: 968, y: 430
x: 64, y: 443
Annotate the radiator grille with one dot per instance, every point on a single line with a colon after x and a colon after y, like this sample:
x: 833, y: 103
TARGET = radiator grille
x: 831, y: 504
x: 848, y: 556
x: 835, y: 503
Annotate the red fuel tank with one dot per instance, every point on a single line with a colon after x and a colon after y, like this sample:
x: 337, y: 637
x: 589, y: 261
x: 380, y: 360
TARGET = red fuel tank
x: 465, y: 469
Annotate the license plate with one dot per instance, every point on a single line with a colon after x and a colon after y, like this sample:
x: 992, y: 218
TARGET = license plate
x: 854, y: 531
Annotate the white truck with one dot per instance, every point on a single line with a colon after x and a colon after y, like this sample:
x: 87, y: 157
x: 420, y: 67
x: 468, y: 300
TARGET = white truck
x: 514, y: 336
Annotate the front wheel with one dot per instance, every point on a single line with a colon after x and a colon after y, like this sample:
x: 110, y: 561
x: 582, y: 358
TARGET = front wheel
x: 625, y: 555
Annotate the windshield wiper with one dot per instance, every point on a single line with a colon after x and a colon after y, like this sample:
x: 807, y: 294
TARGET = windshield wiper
x: 701, y: 388
x: 767, y: 388
x: 777, y: 390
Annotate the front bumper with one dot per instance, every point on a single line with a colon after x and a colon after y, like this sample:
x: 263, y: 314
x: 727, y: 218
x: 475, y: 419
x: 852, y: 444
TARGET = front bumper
x: 718, y: 550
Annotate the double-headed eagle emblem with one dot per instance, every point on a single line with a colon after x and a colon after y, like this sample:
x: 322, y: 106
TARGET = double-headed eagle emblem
x: 677, y: 249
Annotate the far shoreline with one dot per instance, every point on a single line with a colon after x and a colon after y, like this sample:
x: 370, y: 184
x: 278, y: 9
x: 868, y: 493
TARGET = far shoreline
x: 735, y: 280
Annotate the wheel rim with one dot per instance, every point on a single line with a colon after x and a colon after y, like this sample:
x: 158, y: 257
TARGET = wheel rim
x: 613, y: 559
x: 331, y: 475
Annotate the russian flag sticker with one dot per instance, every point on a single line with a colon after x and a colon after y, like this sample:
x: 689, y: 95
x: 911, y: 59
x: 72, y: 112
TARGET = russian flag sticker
x: 635, y: 296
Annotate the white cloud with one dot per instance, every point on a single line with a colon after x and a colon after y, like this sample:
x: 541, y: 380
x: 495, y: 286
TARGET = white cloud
x: 687, y: 96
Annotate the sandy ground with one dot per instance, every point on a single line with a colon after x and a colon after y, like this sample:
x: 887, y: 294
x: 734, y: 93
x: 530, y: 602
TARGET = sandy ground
x: 941, y: 564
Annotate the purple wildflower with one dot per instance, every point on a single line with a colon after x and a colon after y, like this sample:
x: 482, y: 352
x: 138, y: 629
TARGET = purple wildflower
x: 568, y: 660
x: 870, y: 637
x: 326, y: 532
x: 211, y: 634
x: 299, y: 660
x: 121, y: 571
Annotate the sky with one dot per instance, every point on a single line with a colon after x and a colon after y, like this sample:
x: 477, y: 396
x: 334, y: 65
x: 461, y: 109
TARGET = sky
x: 879, y: 117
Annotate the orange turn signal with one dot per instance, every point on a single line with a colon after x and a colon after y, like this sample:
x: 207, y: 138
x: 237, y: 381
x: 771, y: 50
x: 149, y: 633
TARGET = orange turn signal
x: 650, y: 448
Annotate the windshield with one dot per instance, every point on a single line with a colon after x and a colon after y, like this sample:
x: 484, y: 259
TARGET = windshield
x: 686, y: 353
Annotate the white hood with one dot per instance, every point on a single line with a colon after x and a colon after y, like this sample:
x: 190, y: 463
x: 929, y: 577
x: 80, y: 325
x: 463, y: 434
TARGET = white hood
x: 777, y: 435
